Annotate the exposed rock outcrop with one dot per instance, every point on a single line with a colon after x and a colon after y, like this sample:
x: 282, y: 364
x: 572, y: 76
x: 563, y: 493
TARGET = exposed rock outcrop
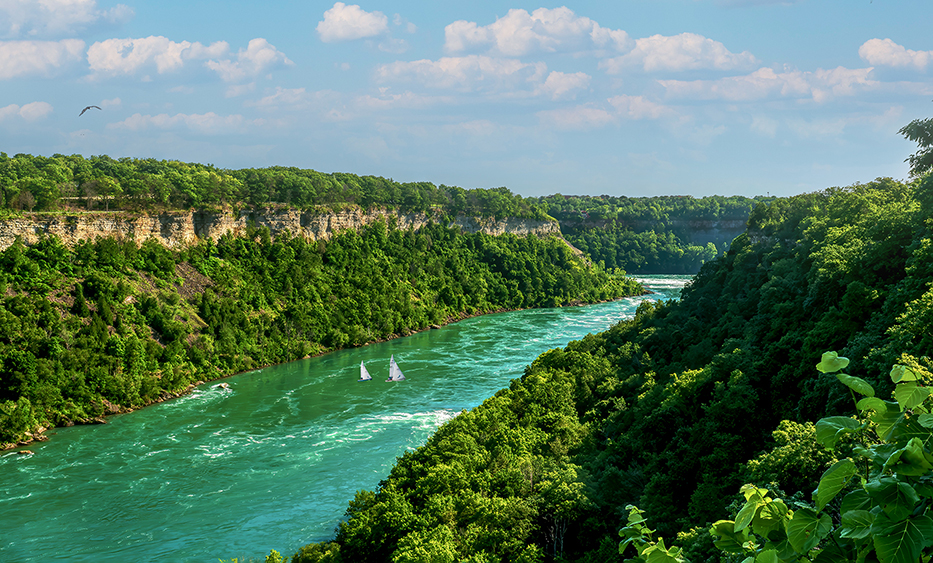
x: 184, y: 228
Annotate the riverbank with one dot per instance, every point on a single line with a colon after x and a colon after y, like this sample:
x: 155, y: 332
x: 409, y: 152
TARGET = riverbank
x: 108, y: 408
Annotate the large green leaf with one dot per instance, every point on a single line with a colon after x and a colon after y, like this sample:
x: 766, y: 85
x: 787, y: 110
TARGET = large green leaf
x: 856, y: 524
x: 754, y: 499
x: 834, y: 480
x: 767, y: 556
x: 806, y: 528
x: 900, y: 374
x: 856, y: 384
x: 925, y: 420
x: 832, y: 362
x: 910, y: 394
x: 771, y: 517
x: 897, y: 499
x: 831, y: 428
x: 900, y: 541
x: 909, y: 460
x: 886, y: 419
x: 856, y: 500
x: 871, y: 403
x: 727, y: 538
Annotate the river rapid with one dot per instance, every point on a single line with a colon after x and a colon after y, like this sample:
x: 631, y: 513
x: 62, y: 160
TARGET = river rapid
x: 272, y: 461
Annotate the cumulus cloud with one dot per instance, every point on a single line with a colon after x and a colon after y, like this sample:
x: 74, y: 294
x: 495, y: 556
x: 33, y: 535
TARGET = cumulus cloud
x: 560, y: 85
x: 542, y: 31
x: 345, y: 23
x: 687, y: 51
x: 259, y: 57
x: 28, y: 112
x: 127, y: 56
x: 50, y: 18
x: 591, y: 116
x: 638, y: 107
x: 471, y: 73
x: 205, y: 123
x: 885, y: 52
x: 283, y: 97
x: 23, y: 58
x: 819, y: 85
x: 579, y: 118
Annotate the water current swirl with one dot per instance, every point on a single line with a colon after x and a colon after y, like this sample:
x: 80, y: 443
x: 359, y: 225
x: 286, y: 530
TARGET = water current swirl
x: 270, y: 462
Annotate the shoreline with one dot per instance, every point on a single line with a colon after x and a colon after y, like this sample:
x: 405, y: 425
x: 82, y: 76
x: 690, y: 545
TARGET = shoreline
x: 111, y: 409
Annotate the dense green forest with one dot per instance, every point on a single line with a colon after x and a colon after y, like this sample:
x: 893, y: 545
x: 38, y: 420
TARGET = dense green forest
x: 108, y: 325
x: 59, y: 182
x: 667, y: 234
x: 674, y: 410
x: 664, y: 234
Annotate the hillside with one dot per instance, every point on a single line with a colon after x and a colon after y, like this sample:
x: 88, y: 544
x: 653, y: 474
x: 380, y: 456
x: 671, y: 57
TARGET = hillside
x: 663, y: 234
x: 675, y: 409
x: 107, y: 325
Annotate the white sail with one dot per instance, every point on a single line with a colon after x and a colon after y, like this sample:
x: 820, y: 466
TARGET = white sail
x: 395, y: 374
x: 364, y: 375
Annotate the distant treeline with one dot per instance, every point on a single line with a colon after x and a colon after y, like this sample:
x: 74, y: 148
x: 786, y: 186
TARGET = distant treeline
x: 107, y: 324
x: 37, y: 183
x: 663, y: 234
x: 674, y: 410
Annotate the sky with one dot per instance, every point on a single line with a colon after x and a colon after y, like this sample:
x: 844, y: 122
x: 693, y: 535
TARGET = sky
x: 622, y: 98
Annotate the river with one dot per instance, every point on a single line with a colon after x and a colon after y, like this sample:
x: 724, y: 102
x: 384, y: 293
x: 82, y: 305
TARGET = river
x: 271, y: 462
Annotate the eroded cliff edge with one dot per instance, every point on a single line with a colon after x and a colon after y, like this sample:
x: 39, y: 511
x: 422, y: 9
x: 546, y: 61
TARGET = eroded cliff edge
x: 179, y: 229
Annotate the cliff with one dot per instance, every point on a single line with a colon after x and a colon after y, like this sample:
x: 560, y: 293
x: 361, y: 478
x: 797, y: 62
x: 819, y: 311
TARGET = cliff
x: 183, y: 228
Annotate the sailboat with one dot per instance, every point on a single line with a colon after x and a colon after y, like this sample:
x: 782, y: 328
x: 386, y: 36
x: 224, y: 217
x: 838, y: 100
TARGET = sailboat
x: 395, y: 374
x: 364, y: 375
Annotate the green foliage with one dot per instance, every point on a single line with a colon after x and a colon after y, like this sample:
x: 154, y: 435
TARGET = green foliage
x: 885, y: 512
x: 36, y: 183
x: 667, y: 234
x: 107, y: 326
x: 665, y: 410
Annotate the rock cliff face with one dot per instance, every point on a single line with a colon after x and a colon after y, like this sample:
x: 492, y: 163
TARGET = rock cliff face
x: 181, y: 229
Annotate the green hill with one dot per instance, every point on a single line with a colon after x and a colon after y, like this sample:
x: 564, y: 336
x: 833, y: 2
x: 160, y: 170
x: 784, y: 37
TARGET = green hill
x: 677, y: 408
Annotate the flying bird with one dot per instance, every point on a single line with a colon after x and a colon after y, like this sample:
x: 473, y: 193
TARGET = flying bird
x: 87, y: 108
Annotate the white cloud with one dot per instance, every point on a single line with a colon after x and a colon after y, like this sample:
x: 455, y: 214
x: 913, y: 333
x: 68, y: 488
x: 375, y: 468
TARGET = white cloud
x: 283, y: 97
x: 471, y: 73
x: 258, y: 57
x: 579, y: 118
x: 560, y: 85
x: 403, y: 100
x: 765, y: 126
x: 115, y: 102
x: 126, y: 56
x: 29, y: 112
x: 888, y: 53
x: 544, y: 30
x: 22, y: 58
x: 589, y: 116
x: 345, y: 23
x: 638, y: 107
x: 687, y: 51
x: 819, y: 85
x: 49, y: 18
x: 206, y: 123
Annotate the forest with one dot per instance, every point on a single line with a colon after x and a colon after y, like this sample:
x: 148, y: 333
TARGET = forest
x: 75, y: 183
x: 107, y: 326
x: 719, y: 423
x: 665, y: 234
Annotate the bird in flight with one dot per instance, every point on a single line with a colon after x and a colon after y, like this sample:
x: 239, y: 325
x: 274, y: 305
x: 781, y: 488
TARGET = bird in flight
x: 87, y: 108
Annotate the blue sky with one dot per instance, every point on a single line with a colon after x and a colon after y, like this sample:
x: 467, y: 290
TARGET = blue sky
x: 631, y: 97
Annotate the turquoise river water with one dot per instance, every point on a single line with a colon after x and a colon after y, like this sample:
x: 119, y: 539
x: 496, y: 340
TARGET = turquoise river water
x: 271, y: 462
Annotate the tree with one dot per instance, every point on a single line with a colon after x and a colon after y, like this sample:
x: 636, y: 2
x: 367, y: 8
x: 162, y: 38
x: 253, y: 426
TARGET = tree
x: 920, y: 131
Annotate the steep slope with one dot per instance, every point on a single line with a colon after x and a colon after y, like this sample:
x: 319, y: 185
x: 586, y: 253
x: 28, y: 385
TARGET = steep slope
x: 667, y: 409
